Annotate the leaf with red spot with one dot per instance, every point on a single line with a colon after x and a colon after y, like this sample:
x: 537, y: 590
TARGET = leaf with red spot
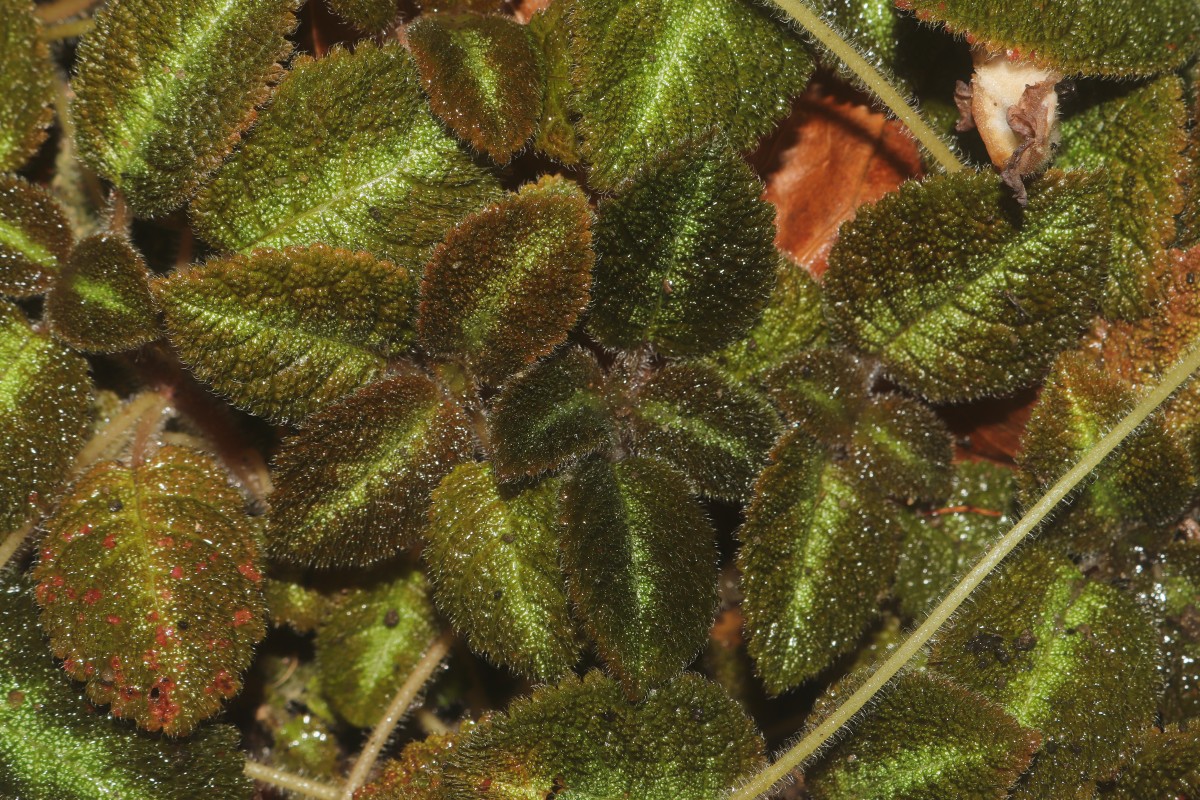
x: 150, y: 588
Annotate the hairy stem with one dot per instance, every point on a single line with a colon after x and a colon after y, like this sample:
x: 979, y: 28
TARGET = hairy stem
x: 146, y: 406
x: 68, y: 30
x: 12, y: 544
x: 803, y: 15
x: 763, y: 782
x: 289, y: 782
x: 396, y: 710
x: 50, y: 13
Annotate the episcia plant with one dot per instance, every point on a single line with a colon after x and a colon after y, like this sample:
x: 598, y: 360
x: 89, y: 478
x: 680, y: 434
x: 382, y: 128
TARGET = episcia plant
x: 429, y: 401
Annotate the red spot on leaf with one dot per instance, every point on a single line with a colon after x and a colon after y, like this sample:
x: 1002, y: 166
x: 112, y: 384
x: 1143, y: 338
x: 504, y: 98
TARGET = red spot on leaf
x: 113, y: 619
x: 91, y: 596
x: 110, y: 541
x: 249, y: 572
x: 242, y: 617
x: 176, y: 572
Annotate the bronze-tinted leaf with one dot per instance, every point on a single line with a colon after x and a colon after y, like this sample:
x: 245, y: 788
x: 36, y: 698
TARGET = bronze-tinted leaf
x: 555, y: 135
x: 353, y: 485
x: 372, y: 16
x: 1163, y: 765
x: 149, y: 583
x: 1169, y: 585
x: 35, y: 238
x: 26, y: 72
x: 823, y: 391
x: 902, y: 446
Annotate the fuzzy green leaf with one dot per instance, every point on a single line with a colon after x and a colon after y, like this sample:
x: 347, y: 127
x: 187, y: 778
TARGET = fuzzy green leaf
x: 367, y: 646
x: 824, y: 391
x: 1170, y: 588
x: 650, y: 73
x: 927, y: 739
x: 44, y: 408
x: 1114, y: 38
x: 372, y: 16
x: 35, y: 238
x: 687, y: 740
x: 510, y: 281
x: 685, y: 257
x: 1164, y: 765
x: 283, y: 333
x: 1136, y: 135
x: 54, y: 746
x: 353, y: 486
x: 791, y: 322
x: 961, y: 293
x: 551, y: 415
x: 168, y: 648
x: 818, y: 551
x: 100, y: 301
x: 902, y: 446
x: 640, y: 557
x: 1072, y: 658
x: 716, y: 431
x: 493, y: 555
x: 26, y: 74
x: 483, y: 78
x: 556, y: 135
x: 349, y: 155
x: 163, y: 87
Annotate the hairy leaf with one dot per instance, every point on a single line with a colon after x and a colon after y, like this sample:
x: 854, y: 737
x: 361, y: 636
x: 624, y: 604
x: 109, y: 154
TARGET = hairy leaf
x: 640, y: 556
x: 297, y: 717
x: 100, y: 301
x: 688, y: 739
x: 551, y: 415
x: 684, y: 254
x: 44, y: 405
x: 1163, y: 765
x: 368, y: 645
x: 353, y: 485
x: 1170, y: 587
x: 818, y: 551
x: 1114, y: 38
x: 283, y: 333
x: 417, y: 773
x: 349, y: 155
x: 372, y: 16
x: 493, y: 555
x: 1137, y: 137
x: 650, y: 73
x: 902, y: 446
x: 717, y: 432
x: 510, y: 281
x: 958, y: 291
x: 26, y: 73
x: 555, y: 135
x: 1072, y: 658
x: 824, y: 391
x: 54, y: 746
x: 928, y: 739
x: 483, y: 78
x: 168, y: 648
x: 35, y: 237
x: 163, y: 87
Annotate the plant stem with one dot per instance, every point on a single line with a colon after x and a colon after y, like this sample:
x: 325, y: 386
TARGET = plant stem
x: 67, y: 30
x: 10, y: 546
x: 395, y: 712
x: 147, y: 405
x: 289, y: 782
x: 762, y: 783
x: 59, y: 10
x: 803, y: 15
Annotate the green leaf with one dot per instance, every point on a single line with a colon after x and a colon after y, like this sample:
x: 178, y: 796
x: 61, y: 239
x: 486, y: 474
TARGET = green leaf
x: 367, y: 646
x: 493, y: 556
x: 551, y: 415
x: 641, y: 564
x: 510, y: 281
x: 45, y: 399
x: 717, y: 432
x: 1136, y: 135
x: 35, y: 237
x: 1165, y: 765
x: 1072, y: 658
x: 823, y: 391
x: 903, y: 447
x: 1150, y: 479
x: 927, y: 739
x: 555, y: 136
x: 685, y: 257
x: 944, y: 545
x: 27, y: 75
x: 1113, y: 38
x: 349, y: 155
x: 791, y: 322
x: 100, y: 301
x: 295, y: 715
x: 818, y: 552
x: 167, y: 648
x: 1169, y: 586
x: 54, y: 746
x: 372, y: 16
x: 283, y: 333
x: 958, y: 291
x: 650, y: 73
x: 417, y: 773
x: 163, y: 89
x: 483, y: 78
x: 353, y: 486
x: 687, y: 740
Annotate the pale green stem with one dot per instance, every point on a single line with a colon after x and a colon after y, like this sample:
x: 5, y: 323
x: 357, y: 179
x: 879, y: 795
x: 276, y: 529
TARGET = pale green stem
x: 764, y: 781
x: 291, y: 783
x: 146, y: 406
x: 804, y: 16
x: 68, y: 30
x: 10, y: 546
x: 49, y: 13
x: 395, y: 712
